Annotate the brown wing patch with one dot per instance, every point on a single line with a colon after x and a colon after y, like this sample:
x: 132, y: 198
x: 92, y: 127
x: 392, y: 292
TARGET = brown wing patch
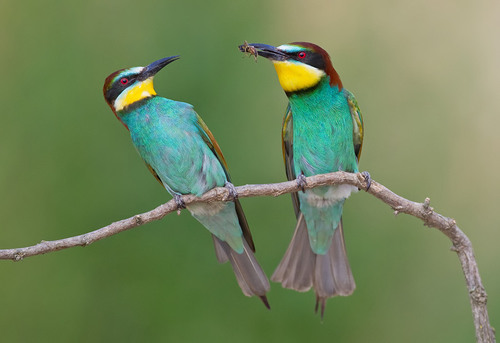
x: 154, y: 173
x: 357, y: 122
x: 287, y: 145
x: 209, y: 139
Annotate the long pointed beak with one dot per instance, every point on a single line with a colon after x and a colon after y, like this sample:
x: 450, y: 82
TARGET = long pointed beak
x: 155, y: 67
x: 264, y: 50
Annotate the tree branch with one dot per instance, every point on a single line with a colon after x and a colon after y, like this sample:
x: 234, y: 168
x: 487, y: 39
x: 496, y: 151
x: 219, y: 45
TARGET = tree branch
x: 461, y: 243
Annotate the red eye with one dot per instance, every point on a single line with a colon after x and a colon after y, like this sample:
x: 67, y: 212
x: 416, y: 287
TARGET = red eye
x: 301, y: 54
x: 124, y: 81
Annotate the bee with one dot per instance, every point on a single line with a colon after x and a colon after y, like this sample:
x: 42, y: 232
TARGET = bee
x: 247, y: 48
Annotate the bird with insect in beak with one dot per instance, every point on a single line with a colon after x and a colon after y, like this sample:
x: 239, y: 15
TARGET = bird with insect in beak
x: 322, y: 132
x: 182, y: 154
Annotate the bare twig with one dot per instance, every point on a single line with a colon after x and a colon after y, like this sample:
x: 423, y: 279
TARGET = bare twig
x: 461, y: 243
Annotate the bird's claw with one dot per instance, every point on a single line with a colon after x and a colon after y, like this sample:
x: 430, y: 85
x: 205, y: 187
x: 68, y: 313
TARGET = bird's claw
x: 301, y: 182
x: 180, y: 203
x: 233, y: 194
x: 368, y: 179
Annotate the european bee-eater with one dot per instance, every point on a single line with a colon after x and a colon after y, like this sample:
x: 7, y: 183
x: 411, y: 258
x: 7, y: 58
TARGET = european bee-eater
x: 322, y: 132
x: 182, y: 154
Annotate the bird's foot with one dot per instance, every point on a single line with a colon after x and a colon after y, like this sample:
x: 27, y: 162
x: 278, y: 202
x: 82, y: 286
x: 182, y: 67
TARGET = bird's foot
x: 233, y: 194
x: 368, y: 179
x: 301, y: 182
x: 180, y: 203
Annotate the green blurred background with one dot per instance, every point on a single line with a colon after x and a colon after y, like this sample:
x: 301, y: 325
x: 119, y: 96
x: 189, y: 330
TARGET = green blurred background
x: 426, y: 76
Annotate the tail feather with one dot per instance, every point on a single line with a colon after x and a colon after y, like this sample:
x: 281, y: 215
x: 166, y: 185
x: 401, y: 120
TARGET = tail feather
x: 332, y: 275
x: 220, y: 253
x: 249, y: 274
x: 329, y: 274
x: 294, y: 270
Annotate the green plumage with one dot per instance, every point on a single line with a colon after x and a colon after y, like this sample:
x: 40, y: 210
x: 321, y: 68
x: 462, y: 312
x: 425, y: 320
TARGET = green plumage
x: 322, y: 143
x: 322, y: 133
x: 181, y: 152
x: 169, y: 137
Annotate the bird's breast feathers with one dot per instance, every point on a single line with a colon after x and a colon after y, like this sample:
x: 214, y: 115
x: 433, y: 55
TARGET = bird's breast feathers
x: 333, y: 195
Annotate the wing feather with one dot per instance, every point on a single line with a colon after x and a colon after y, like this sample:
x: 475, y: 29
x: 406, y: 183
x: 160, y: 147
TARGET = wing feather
x: 287, y: 145
x: 155, y: 174
x: 357, y: 121
x: 209, y: 139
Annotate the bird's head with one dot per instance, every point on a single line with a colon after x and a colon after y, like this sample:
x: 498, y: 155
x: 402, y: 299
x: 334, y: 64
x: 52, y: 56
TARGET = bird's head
x: 300, y: 65
x: 127, y: 86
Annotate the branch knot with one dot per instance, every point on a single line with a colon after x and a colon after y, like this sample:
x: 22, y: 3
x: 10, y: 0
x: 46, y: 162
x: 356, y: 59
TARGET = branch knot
x: 427, y: 211
x: 18, y: 256
x: 138, y: 220
x: 479, y: 296
x: 85, y: 240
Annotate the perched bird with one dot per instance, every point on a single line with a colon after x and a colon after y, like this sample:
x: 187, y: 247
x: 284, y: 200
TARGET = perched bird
x: 322, y: 133
x: 182, y: 154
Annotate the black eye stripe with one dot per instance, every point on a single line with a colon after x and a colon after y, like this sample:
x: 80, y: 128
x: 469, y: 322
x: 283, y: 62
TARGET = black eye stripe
x: 312, y: 58
x: 130, y: 79
x: 120, y: 86
x: 117, y: 87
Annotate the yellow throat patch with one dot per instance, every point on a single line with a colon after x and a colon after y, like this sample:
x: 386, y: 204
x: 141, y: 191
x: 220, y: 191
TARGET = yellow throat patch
x: 139, y: 91
x: 297, y: 76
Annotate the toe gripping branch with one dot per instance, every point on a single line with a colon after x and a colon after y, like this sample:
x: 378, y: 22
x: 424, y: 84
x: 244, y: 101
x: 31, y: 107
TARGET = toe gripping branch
x: 180, y: 203
x: 301, y: 182
x: 368, y: 179
x: 233, y: 194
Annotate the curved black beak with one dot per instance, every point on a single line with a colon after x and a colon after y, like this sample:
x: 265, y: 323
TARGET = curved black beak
x: 264, y: 50
x: 155, y: 67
